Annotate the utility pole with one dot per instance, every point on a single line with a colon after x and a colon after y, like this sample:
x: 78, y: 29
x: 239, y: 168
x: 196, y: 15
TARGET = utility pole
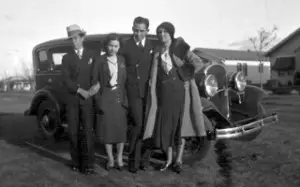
x: 260, y: 42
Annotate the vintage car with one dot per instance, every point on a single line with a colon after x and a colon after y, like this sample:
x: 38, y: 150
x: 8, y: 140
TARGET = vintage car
x: 232, y: 109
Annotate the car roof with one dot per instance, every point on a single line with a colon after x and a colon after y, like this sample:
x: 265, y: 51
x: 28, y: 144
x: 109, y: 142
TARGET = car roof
x: 91, y: 38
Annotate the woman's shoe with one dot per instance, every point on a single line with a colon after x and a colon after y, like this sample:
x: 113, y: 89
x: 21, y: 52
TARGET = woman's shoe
x: 120, y: 167
x: 166, y: 166
x: 177, y: 167
x: 120, y: 164
x: 109, y: 166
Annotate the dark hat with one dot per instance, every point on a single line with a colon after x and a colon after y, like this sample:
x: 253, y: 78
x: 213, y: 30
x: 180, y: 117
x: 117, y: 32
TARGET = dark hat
x: 169, y: 27
x: 73, y: 30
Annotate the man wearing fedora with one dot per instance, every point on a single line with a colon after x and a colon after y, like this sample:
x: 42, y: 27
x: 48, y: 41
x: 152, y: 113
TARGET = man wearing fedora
x: 76, y: 76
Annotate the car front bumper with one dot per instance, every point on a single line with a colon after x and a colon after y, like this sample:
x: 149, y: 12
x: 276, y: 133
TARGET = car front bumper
x: 247, y: 129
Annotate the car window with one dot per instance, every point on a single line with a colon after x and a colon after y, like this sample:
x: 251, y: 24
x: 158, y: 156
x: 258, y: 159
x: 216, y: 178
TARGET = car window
x: 43, y: 64
x: 56, y: 54
x: 43, y: 56
x: 57, y: 60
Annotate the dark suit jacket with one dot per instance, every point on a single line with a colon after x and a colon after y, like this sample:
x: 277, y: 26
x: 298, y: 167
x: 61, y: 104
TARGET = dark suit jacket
x: 138, y: 62
x: 101, y: 74
x: 77, y: 73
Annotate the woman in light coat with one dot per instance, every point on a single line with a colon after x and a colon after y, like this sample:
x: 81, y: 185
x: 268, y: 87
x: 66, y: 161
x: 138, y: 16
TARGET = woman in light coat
x: 173, y: 93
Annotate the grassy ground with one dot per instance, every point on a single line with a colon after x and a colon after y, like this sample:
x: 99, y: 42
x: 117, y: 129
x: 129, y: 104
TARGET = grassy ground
x: 270, y: 160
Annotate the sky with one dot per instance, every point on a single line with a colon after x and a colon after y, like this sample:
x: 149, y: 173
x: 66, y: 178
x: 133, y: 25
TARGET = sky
x: 202, y: 23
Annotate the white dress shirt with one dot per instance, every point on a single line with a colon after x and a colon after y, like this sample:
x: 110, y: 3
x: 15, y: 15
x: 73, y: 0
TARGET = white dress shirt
x: 79, y: 52
x: 143, y: 42
x: 113, y: 69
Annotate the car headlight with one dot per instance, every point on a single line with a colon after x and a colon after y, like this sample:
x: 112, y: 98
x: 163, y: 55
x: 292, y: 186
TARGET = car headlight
x: 240, y: 81
x: 211, y: 85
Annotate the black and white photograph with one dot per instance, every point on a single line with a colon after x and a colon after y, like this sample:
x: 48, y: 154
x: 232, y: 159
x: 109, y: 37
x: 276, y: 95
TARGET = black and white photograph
x: 130, y: 93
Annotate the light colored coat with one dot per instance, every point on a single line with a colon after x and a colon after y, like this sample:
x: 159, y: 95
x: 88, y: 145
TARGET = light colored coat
x: 193, y: 121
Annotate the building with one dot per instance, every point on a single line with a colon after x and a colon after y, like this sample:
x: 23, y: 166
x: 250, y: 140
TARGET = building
x: 237, y: 60
x: 16, y: 83
x: 285, y: 59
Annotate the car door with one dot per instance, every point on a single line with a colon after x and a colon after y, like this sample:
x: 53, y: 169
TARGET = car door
x: 48, y: 74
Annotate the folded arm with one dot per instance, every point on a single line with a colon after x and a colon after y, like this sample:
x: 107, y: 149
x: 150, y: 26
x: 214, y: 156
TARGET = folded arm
x: 194, y: 60
x: 192, y: 64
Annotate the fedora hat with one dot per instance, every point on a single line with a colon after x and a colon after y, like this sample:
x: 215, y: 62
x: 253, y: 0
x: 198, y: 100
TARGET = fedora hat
x: 73, y: 30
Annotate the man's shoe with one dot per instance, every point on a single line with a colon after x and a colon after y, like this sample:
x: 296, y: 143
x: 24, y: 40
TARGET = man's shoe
x: 89, y: 171
x: 74, y: 168
x: 144, y: 166
x: 132, y: 170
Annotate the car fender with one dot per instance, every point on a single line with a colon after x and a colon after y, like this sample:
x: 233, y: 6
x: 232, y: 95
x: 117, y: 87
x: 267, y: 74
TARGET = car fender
x: 250, y: 101
x: 213, y: 114
x: 254, y: 94
x: 39, y: 96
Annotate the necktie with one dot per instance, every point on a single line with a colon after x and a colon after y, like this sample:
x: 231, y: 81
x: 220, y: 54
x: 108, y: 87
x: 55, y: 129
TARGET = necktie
x: 78, y: 54
x: 141, y: 45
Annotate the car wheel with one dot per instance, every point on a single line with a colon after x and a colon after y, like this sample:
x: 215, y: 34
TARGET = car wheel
x: 201, y: 152
x: 48, y: 120
x: 197, y: 148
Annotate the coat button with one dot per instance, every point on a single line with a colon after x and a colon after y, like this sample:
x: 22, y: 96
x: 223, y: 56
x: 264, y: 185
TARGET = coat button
x: 138, y: 77
x: 137, y: 65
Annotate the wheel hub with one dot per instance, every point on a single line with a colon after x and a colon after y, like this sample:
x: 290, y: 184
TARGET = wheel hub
x: 47, y: 122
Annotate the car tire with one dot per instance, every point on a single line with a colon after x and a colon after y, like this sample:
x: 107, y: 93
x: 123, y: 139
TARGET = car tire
x: 48, y: 120
x: 199, y: 147
x: 205, y: 155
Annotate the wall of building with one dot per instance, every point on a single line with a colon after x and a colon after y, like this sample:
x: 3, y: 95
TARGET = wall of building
x: 288, y: 49
x: 253, y: 73
x: 297, y: 54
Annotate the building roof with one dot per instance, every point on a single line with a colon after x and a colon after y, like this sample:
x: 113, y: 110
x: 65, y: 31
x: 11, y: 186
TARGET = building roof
x: 282, y: 42
x: 14, y: 78
x: 228, y: 54
x: 284, y: 64
x: 207, y: 56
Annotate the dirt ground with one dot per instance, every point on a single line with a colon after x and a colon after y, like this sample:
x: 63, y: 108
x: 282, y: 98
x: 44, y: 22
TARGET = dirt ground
x: 273, y: 159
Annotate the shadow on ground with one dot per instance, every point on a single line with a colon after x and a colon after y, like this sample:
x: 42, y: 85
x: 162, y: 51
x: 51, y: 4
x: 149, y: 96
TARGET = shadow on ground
x: 22, y: 132
x: 39, y: 162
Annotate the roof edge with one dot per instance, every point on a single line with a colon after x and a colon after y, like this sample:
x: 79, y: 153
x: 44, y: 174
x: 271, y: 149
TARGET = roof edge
x: 199, y: 49
x: 282, y: 42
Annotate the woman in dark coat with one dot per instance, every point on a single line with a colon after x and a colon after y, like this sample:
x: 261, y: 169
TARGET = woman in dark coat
x: 109, y: 75
x: 173, y: 70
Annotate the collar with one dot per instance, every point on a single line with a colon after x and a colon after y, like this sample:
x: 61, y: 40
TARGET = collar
x: 137, y: 43
x: 80, y: 51
x: 110, y: 60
